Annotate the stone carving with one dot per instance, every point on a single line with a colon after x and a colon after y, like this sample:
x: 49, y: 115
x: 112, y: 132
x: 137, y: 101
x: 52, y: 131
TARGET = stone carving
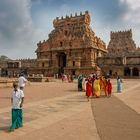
x: 123, y: 57
x: 121, y: 43
x: 70, y: 36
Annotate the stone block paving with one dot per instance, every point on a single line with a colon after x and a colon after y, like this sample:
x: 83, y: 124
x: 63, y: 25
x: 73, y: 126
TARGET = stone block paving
x: 130, y: 93
x: 118, y: 117
x: 56, y: 110
x: 38, y: 116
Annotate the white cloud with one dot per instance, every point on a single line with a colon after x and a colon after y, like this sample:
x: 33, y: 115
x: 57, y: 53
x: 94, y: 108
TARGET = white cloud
x: 133, y: 13
x: 132, y: 18
x: 20, y: 31
x: 134, y: 4
x: 17, y: 31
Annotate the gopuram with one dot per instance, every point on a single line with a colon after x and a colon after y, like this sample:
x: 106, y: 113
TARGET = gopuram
x: 123, y: 57
x: 72, y: 47
x: 121, y: 43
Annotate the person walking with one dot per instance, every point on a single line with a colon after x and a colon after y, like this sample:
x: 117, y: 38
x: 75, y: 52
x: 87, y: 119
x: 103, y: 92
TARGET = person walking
x: 88, y: 89
x: 71, y: 77
x: 109, y: 88
x: 96, y: 87
x: 21, y: 81
x: 80, y: 79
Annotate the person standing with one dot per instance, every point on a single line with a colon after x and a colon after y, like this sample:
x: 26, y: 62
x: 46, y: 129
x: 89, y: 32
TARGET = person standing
x: 106, y: 86
x: 71, y: 77
x: 17, y: 100
x: 119, y: 85
x: 21, y: 81
x: 109, y: 88
x: 96, y: 87
x: 68, y: 78
x: 92, y: 80
x: 88, y: 89
x: 80, y: 79
x: 103, y: 85
x: 84, y: 82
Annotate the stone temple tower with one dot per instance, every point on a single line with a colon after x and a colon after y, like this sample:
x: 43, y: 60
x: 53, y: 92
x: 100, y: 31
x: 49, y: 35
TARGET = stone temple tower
x: 72, y: 47
x: 121, y: 43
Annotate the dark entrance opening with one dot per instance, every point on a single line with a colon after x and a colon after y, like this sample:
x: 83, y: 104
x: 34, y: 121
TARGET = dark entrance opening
x: 127, y: 71
x: 4, y: 72
x: 62, y: 62
x: 135, y: 72
x: 110, y: 72
x: 73, y: 72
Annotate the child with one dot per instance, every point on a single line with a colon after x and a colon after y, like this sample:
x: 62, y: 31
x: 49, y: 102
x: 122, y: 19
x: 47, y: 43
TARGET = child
x: 17, y: 103
x: 109, y: 88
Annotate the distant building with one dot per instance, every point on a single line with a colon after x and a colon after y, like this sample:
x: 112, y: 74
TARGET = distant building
x: 12, y: 68
x: 123, y: 58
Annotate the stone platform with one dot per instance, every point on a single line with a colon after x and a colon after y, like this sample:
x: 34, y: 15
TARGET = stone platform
x: 8, y: 82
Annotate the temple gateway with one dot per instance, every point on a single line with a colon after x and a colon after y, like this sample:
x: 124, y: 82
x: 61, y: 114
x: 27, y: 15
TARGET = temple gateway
x: 72, y: 47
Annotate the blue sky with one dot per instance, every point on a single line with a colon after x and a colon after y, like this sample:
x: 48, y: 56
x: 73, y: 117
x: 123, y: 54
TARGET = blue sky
x: 23, y: 23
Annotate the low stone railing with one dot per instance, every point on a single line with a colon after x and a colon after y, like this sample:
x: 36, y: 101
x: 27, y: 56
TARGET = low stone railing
x: 40, y: 79
x: 8, y: 82
x: 36, y: 79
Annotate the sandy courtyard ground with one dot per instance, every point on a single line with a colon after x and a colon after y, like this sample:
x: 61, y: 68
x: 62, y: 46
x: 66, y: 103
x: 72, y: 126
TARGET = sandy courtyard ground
x: 56, y: 110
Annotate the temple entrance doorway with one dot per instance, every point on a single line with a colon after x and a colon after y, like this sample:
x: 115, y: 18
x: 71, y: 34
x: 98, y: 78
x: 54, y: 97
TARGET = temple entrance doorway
x: 127, y: 71
x: 135, y: 72
x: 110, y: 72
x: 61, y: 62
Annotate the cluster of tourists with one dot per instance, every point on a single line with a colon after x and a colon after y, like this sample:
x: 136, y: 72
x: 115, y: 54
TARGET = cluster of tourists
x: 93, y: 85
x: 67, y: 77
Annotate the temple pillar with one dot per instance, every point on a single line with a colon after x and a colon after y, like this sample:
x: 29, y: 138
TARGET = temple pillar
x: 69, y: 64
x: 78, y: 63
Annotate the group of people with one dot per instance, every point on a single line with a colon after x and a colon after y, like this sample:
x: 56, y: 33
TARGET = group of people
x: 93, y: 85
x: 67, y: 78
x: 17, y: 100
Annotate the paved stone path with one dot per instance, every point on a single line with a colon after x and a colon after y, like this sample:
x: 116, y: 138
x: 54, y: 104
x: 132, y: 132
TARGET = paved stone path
x: 115, y: 120
x: 72, y: 112
x: 64, y: 113
x: 131, y: 95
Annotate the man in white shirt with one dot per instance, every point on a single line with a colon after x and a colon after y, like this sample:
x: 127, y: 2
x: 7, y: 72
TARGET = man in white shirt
x: 21, y: 81
x: 17, y: 100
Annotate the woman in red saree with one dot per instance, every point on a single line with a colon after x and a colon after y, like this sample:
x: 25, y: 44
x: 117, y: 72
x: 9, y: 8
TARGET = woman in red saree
x: 88, y: 89
x: 109, y: 88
